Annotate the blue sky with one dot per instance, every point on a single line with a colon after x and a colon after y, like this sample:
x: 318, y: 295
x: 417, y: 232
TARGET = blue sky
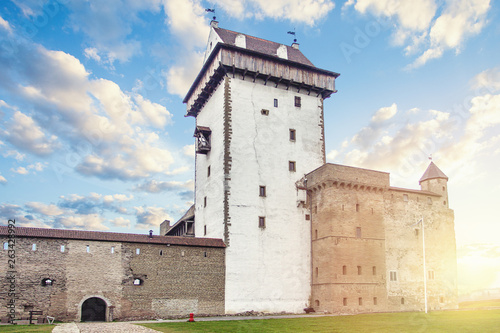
x: 92, y: 128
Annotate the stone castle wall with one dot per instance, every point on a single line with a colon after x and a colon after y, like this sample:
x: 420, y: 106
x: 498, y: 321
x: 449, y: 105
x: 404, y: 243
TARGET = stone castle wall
x: 177, y: 280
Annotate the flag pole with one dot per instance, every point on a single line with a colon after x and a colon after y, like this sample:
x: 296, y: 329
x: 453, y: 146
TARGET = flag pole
x: 425, y: 271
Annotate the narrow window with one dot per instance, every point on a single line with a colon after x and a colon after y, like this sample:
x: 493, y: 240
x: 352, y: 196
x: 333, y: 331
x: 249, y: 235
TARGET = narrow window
x: 342, y: 207
x: 292, y: 134
x: 393, y: 276
x: 374, y: 270
x: 137, y: 251
x: 416, y: 232
x: 6, y: 246
x: 138, y: 282
x: 297, y: 101
x: 316, y: 234
x: 315, y: 209
x: 262, y: 191
x: 308, y: 217
x: 402, y: 300
x: 441, y: 299
x: 444, y: 203
x: 264, y: 112
x: 204, y: 230
x: 360, y: 301
x: 275, y: 102
x: 208, y: 171
x: 405, y: 197
x: 33, y: 247
x: 161, y: 252
x: 62, y: 248
x: 205, y: 202
x: 429, y: 200
x: 112, y: 249
x: 372, y: 211
x: 344, y: 301
x: 358, y: 232
x: 444, y: 188
x: 88, y: 248
x: 205, y: 254
x: 262, y: 222
x: 374, y: 300
x: 359, y: 270
x: 47, y: 282
x: 357, y: 207
x: 430, y: 274
x: 291, y: 165
x: 344, y: 270
x: 317, y: 272
x: 183, y: 253
x: 316, y: 302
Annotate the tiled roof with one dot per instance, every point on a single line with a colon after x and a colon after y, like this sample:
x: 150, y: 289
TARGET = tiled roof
x: 112, y: 237
x: 262, y: 46
x: 432, y: 172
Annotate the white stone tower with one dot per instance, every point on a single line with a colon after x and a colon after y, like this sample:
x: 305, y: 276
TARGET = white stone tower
x: 259, y: 129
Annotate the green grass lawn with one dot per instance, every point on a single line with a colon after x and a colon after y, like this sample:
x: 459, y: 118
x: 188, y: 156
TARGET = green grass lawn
x: 26, y: 328
x: 443, y: 321
x: 479, y: 304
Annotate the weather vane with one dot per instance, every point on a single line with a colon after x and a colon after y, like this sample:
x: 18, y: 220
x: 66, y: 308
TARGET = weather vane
x: 293, y: 33
x: 211, y: 10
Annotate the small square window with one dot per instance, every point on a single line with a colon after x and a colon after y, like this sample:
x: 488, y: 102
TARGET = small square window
x: 402, y: 300
x: 262, y: 191
x: 297, y: 101
x: 112, y: 249
x: 308, y: 217
x: 359, y: 270
x: 292, y: 134
x: 208, y: 171
x: 344, y: 270
x: 262, y: 222
x: 291, y: 166
x: 6, y: 246
x: 405, y: 197
x: 138, y: 282
x: 344, y: 301
x: 137, y: 251
x: 374, y: 300
x: 374, y: 270
x: 264, y: 112
x: 275, y: 102
x: 62, y: 248
x: 33, y: 247
x: 88, y: 248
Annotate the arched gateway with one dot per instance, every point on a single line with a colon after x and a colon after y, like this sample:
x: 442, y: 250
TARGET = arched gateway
x: 94, y: 309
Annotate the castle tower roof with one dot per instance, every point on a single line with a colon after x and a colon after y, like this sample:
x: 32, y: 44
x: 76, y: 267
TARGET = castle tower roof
x: 263, y: 46
x: 432, y: 172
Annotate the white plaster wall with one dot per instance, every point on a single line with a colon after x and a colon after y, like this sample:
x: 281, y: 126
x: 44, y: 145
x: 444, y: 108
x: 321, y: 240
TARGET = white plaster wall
x: 269, y: 269
x: 212, y: 115
x: 213, y: 39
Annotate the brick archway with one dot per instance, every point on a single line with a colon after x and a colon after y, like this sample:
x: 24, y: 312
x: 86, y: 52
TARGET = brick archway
x: 93, y: 309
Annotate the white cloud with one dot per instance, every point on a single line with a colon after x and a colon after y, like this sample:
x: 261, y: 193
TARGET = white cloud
x: 3, y: 180
x: 41, y: 208
x: 154, y: 186
x: 20, y: 170
x: 17, y: 155
x: 181, y: 76
x: 385, y: 113
x: 428, y: 27
x: 92, y: 53
x: 488, y: 80
x: 189, y: 150
x: 83, y: 222
x: 25, y: 134
x: 150, y: 217
x: 120, y: 222
x: 5, y: 25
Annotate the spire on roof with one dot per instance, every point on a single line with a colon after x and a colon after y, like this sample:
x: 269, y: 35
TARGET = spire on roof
x: 432, y: 172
